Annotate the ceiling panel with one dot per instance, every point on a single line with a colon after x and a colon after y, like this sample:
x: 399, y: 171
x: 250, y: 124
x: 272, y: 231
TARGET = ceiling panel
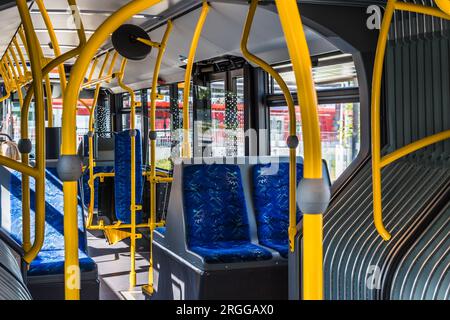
x: 221, y: 34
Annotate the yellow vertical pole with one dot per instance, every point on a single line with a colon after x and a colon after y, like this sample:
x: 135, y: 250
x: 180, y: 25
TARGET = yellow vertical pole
x: 133, y: 173
x: 312, y: 221
x: 26, y: 218
x: 48, y: 94
x: 35, y: 60
x: 153, y: 97
x: 69, y: 127
x: 91, y: 146
x: 186, y: 147
x: 376, y: 128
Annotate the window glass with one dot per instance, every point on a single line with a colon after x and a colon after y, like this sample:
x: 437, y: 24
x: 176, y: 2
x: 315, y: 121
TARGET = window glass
x: 126, y: 115
x: 227, y: 119
x: 332, y: 72
x: 163, y: 127
x: 340, y: 130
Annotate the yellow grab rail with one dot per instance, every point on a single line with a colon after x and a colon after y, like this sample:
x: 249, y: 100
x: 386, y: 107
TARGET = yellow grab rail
x: 186, y: 146
x: 377, y: 161
x: 312, y: 221
x: 292, y: 231
x: 153, y: 97
x: 26, y: 105
x: 35, y: 60
x: 69, y: 131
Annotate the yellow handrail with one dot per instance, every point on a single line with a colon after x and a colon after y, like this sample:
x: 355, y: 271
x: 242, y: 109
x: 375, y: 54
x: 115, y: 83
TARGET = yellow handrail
x: 312, y: 221
x: 377, y: 161
x: 69, y: 131
x: 413, y: 147
x: 153, y: 97
x: 35, y: 60
x: 186, y: 147
x: 292, y: 231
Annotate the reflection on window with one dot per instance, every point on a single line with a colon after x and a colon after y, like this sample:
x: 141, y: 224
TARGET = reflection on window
x: 340, y: 130
x: 337, y: 71
x: 227, y: 117
x: 126, y: 124
x: 163, y: 127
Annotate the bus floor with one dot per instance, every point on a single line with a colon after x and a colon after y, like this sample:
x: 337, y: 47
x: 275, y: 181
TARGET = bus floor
x: 113, y: 263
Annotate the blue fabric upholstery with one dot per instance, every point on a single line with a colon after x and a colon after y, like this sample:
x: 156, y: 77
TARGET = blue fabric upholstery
x: 122, y: 180
x: 50, y: 259
x: 87, y: 190
x: 271, y: 200
x: 216, y: 216
x: 52, y: 262
x: 231, y: 251
x: 161, y: 230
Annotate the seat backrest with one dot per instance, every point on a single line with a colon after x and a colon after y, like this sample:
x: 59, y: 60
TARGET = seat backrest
x: 271, y: 201
x: 122, y: 180
x: 11, y: 211
x: 214, y: 204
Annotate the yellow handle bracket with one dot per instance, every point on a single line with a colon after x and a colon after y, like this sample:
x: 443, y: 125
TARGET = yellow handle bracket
x: 149, y: 43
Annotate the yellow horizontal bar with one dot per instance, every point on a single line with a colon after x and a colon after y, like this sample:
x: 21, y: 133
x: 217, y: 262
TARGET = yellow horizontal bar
x: 118, y: 226
x: 413, y: 147
x: 417, y: 8
x: 104, y: 175
x: 149, y: 43
x: 160, y: 180
x: 94, y: 82
x: 19, y: 166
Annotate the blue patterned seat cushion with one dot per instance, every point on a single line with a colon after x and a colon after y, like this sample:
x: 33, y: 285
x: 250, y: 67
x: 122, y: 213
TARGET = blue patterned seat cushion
x: 52, y: 262
x: 87, y: 190
x: 51, y: 257
x: 216, y: 216
x: 161, y: 230
x: 231, y: 251
x: 271, y: 200
x: 122, y: 180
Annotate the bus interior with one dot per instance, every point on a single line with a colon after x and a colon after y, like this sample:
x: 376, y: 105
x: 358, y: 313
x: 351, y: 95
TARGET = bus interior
x: 225, y: 150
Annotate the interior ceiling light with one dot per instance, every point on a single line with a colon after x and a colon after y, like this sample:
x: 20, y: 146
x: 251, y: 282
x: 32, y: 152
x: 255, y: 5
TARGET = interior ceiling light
x: 63, y: 31
x: 93, y: 13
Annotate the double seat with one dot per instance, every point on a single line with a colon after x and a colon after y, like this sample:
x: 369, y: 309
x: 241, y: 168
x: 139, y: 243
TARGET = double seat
x: 229, y: 214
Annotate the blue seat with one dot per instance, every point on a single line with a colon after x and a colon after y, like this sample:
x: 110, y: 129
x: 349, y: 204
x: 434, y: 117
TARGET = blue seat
x: 122, y: 180
x: 271, y: 200
x: 161, y: 230
x: 216, y: 219
x: 50, y: 260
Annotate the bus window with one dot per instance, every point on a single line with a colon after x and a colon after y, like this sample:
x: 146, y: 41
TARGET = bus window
x: 339, y: 119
